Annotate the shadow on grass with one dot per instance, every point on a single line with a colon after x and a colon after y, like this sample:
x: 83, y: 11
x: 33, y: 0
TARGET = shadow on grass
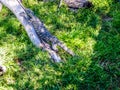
x: 104, y: 71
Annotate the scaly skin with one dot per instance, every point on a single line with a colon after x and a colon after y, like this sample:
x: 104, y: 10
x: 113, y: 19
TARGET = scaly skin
x: 48, y: 42
x: 44, y: 34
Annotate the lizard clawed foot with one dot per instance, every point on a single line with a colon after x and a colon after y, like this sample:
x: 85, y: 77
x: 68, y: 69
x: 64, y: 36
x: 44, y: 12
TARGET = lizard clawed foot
x: 53, y: 54
x: 48, y: 41
x: 53, y: 50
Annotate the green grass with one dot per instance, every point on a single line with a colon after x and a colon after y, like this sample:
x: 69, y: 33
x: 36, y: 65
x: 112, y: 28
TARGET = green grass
x: 89, y: 33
